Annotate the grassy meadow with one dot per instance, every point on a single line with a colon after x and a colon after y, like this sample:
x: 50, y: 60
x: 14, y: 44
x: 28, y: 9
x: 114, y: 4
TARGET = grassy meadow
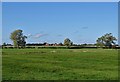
x: 60, y: 64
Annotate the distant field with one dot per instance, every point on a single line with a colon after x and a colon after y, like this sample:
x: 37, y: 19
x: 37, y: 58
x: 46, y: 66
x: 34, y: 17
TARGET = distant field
x: 60, y: 64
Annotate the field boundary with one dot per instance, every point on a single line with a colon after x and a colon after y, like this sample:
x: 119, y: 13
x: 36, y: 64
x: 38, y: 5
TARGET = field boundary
x: 57, y: 47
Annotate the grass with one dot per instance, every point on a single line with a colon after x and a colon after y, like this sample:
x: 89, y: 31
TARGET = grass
x: 60, y: 64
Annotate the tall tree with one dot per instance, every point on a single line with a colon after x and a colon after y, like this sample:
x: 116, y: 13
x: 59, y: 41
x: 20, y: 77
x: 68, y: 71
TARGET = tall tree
x: 106, y: 40
x: 4, y: 44
x: 68, y: 42
x: 18, y: 38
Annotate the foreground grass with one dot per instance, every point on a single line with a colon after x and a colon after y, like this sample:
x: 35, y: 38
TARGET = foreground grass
x: 60, y: 64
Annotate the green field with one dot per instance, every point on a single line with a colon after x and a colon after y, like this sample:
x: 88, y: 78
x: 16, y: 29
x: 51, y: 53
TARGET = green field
x: 60, y: 64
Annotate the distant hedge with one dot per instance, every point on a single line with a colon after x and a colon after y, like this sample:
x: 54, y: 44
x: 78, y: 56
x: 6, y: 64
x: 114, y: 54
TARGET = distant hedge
x: 55, y: 47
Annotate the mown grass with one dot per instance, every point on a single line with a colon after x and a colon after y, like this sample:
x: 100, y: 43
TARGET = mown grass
x: 60, y: 64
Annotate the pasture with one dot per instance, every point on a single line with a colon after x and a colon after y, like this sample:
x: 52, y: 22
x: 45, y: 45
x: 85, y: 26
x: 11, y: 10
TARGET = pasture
x: 60, y: 64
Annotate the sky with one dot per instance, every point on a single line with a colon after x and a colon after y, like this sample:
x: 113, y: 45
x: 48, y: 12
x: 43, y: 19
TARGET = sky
x: 52, y: 22
x: 59, y: 0
x: 0, y: 23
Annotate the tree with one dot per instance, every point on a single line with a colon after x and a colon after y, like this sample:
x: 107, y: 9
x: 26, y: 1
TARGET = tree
x: 68, y: 42
x: 106, y: 40
x: 60, y: 44
x: 18, y: 38
x: 4, y: 44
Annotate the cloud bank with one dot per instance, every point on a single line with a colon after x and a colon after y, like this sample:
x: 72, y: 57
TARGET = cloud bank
x: 38, y: 35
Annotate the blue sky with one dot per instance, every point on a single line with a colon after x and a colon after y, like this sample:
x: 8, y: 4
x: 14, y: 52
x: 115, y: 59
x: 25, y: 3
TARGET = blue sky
x: 0, y: 23
x: 54, y: 21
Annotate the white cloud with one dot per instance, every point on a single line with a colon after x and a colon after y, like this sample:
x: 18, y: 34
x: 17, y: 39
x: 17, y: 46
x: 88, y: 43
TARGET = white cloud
x: 39, y: 35
x: 29, y: 35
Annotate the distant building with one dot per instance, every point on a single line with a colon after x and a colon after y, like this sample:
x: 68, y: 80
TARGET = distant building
x: 47, y: 44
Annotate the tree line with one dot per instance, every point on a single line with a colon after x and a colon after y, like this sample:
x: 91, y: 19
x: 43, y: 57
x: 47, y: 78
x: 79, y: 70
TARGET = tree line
x: 19, y: 40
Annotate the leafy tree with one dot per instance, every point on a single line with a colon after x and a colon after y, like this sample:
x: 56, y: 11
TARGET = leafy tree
x: 18, y: 38
x: 106, y: 40
x: 60, y: 44
x: 4, y: 44
x: 68, y: 42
